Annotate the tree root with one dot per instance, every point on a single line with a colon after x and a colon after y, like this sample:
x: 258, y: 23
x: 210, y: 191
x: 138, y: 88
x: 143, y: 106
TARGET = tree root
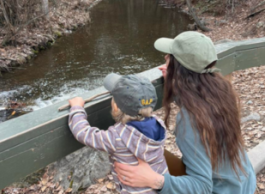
x: 253, y: 14
x: 196, y: 19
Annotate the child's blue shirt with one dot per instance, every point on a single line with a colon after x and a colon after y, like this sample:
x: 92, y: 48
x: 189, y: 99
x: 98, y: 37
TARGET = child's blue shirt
x: 150, y: 128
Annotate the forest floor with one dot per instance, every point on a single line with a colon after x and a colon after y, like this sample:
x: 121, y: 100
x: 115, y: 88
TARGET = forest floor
x: 249, y: 84
x: 64, y: 18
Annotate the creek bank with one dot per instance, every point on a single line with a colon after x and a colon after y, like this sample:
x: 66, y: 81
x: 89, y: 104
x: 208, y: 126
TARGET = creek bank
x: 66, y: 17
x: 243, y: 21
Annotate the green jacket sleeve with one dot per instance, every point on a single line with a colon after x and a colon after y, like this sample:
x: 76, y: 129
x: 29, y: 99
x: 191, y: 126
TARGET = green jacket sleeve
x: 198, y: 165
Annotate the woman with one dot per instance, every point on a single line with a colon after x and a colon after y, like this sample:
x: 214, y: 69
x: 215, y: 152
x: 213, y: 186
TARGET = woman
x: 207, y: 127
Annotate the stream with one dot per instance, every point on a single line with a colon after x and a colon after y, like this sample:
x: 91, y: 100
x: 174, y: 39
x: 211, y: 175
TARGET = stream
x: 119, y: 39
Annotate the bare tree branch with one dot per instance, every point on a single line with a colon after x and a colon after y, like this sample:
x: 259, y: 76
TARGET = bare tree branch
x: 5, y: 14
x: 22, y: 26
x: 45, y: 8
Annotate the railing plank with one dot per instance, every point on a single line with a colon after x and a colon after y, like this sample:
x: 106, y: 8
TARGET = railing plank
x: 244, y: 61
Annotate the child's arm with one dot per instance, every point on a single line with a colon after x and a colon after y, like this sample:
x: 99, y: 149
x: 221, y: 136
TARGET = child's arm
x: 84, y: 133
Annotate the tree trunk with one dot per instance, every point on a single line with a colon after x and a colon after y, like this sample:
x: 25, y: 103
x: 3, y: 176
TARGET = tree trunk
x: 5, y: 14
x: 45, y: 8
x: 196, y: 19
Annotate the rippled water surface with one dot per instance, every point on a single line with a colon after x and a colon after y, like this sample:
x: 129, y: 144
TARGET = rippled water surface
x: 119, y: 39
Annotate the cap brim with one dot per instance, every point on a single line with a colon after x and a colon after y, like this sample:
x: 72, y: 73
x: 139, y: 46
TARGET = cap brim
x: 110, y: 81
x: 164, y: 45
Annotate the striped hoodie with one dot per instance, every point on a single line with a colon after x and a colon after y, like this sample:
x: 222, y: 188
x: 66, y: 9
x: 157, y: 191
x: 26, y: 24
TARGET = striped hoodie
x: 124, y: 143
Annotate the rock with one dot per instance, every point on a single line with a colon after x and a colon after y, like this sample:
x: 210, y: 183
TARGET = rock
x: 68, y: 31
x: 253, y: 116
x: 263, y: 129
x: 260, y: 24
x: 81, y: 168
x: 249, y: 102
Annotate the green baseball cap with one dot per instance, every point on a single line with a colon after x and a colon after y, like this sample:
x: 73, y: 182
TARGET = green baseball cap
x: 193, y: 50
x: 131, y: 92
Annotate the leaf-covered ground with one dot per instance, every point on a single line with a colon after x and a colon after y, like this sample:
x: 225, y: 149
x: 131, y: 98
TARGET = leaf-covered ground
x: 66, y: 16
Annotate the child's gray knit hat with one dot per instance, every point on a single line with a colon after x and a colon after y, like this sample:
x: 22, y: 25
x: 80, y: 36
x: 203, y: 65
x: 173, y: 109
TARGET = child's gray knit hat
x: 131, y: 92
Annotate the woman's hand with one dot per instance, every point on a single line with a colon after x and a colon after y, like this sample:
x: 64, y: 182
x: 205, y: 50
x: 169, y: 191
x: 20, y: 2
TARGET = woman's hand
x: 163, y: 68
x: 141, y: 175
x: 77, y: 101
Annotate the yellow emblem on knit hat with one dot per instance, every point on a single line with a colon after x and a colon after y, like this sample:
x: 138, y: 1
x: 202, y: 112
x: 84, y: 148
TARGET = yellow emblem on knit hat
x: 146, y: 102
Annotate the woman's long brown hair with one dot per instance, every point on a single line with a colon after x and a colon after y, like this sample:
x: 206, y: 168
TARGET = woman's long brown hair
x: 213, y: 108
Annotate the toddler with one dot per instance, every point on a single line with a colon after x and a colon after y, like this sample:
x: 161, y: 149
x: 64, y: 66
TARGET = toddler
x: 136, y: 134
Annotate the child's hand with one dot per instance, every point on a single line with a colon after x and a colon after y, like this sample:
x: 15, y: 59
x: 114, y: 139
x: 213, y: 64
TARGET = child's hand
x: 77, y: 101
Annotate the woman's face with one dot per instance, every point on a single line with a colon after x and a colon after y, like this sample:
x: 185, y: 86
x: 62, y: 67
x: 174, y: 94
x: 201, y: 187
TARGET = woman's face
x: 163, y: 68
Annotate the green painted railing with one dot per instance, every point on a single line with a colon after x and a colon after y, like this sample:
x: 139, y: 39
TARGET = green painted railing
x: 32, y: 141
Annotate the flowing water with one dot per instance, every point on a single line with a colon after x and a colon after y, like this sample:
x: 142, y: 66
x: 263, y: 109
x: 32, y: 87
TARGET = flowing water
x: 119, y: 39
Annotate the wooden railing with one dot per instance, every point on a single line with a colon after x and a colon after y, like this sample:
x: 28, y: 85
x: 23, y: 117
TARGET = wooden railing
x: 32, y: 141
